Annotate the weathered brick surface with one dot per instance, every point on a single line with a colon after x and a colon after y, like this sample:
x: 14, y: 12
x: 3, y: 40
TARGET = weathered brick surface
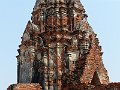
x: 110, y: 86
x: 25, y: 87
x: 59, y: 47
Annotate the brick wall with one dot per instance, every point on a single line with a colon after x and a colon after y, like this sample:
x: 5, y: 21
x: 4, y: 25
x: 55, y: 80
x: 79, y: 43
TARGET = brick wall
x: 111, y: 86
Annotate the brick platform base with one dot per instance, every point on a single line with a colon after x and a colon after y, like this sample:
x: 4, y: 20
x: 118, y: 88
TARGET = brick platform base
x: 111, y: 86
x: 24, y: 87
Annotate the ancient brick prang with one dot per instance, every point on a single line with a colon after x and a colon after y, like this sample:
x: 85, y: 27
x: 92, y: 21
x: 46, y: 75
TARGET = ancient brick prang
x: 59, y: 49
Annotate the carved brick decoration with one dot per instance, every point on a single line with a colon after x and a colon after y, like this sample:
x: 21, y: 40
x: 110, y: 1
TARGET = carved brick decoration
x: 59, y: 50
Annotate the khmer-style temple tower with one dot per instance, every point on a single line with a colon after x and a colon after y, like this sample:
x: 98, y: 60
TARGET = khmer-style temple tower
x: 59, y: 48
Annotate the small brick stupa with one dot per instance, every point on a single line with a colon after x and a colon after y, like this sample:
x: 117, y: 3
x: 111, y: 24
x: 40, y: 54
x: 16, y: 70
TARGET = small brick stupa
x: 60, y: 51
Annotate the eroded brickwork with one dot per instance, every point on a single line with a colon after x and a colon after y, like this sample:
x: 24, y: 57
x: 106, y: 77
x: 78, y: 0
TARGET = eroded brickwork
x: 59, y: 49
x: 111, y: 86
x: 24, y: 86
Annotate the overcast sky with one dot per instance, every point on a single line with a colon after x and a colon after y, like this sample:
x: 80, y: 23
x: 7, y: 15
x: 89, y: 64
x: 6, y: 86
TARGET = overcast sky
x: 104, y: 17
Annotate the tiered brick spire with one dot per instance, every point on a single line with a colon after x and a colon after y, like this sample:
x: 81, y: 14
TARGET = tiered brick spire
x: 59, y: 47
